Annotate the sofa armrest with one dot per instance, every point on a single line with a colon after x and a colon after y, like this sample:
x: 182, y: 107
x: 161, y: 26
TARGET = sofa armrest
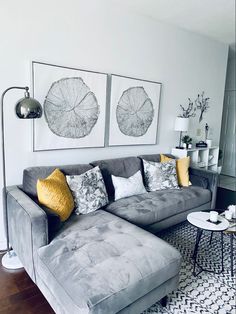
x: 208, y: 178
x: 28, y: 227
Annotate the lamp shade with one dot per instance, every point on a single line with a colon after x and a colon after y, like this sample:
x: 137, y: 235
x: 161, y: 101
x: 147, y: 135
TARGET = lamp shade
x: 181, y: 124
x: 28, y: 108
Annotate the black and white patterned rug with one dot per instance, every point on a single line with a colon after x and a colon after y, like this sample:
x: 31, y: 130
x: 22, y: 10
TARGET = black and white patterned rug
x: 208, y: 292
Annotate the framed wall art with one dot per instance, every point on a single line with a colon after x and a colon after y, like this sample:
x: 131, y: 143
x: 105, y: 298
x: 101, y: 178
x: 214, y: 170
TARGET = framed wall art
x: 134, y: 106
x: 74, y: 104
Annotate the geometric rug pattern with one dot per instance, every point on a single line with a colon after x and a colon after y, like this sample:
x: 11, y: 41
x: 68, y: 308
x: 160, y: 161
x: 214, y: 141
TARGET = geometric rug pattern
x: 207, y: 292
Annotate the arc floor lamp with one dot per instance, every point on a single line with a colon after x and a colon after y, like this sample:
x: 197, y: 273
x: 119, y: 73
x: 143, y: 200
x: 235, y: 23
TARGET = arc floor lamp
x: 26, y: 108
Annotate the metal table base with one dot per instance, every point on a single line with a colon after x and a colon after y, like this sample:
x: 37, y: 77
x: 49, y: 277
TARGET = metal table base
x: 195, y: 253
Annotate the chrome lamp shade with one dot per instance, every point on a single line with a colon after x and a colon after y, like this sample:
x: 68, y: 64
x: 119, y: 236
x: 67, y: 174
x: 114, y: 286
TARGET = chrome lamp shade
x: 28, y: 108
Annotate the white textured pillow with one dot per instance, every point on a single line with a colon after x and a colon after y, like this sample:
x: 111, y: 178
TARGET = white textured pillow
x: 125, y: 187
x: 88, y: 190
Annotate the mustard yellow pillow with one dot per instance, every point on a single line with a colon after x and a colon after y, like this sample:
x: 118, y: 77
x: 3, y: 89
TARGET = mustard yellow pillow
x: 54, y: 193
x: 182, y: 166
x: 164, y: 158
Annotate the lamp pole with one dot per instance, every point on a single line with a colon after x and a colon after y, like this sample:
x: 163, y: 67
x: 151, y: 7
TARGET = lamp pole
x: 26, y: 108
x: 180, y: 139
x: 4, y: 163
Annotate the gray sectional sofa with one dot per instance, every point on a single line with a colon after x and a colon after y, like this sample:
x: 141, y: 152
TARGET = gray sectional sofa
x: 108, y: 261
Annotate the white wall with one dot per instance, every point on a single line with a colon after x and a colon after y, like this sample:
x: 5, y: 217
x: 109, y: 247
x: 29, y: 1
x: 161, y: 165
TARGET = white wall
x: 102, y: 37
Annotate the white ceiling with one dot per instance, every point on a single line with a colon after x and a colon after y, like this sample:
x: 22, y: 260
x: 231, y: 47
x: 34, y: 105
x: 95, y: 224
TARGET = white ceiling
x: 212, y: 18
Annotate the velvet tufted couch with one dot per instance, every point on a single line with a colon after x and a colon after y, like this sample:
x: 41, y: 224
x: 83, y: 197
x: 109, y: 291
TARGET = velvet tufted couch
x: 108, y: 261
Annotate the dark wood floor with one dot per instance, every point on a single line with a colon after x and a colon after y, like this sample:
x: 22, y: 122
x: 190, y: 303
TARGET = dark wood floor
x: 19, y: 295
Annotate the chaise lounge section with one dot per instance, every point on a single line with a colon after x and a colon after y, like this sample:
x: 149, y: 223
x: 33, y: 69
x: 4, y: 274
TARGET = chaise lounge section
x: 100, y: 263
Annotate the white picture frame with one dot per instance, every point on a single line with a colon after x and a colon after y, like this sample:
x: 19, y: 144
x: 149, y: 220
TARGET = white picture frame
x: 134, y: 110
x: 74, y: 107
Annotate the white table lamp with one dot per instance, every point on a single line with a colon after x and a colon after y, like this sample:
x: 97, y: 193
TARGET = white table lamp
x: 181, y: 125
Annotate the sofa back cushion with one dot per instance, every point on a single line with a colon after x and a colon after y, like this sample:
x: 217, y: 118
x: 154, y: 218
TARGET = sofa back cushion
x: 32, y: 174
x: 120, y: 167
x: 154, y: 157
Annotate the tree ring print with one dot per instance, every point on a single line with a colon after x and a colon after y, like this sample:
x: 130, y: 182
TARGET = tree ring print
x: 134, y: 112
x: 71, y: 109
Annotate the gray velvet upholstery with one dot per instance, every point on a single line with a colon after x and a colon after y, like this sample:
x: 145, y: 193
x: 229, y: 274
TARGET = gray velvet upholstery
x: 55, y: 302
x: 149, y: 208
x: 204, y: 178
x: 175, y: 219
x: 136, y: 307
x: 212, y: 181
x: 198, y: 181
x: 100, y: 263
x: 150, y: 298
x: 120, y: 167
x: 54, y: 221
x: 32, y: 174
x: 154, y: 157
x: 110, y: 263
x: 28, y: 227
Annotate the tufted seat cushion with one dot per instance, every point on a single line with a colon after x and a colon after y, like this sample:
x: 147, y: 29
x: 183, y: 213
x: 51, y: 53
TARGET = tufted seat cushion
x: 100, y: 263
x: 152, y: 207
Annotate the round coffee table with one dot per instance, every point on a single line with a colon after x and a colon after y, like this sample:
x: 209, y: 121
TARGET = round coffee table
x: 201, y: 220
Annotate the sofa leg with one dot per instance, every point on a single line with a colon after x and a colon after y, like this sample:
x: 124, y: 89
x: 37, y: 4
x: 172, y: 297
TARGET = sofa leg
x: 164, y: 301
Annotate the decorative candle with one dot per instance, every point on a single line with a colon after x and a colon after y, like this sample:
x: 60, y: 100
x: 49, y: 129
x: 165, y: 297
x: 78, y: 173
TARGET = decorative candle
x: 228, y: 214
x: 213, y: 216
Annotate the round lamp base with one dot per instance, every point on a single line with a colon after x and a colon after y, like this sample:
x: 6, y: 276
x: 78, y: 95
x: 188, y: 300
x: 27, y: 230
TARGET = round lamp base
x: 11, y: 261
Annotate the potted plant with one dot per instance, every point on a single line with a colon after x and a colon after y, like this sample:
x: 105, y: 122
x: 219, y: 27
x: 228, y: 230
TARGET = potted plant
x: 220, y: 161
x: 187, y: 141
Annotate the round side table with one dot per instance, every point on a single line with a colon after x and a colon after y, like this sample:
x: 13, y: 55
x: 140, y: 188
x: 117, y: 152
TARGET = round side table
x: 201, y: 220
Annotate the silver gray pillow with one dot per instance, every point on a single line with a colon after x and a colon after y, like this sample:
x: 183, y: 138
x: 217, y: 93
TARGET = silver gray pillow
x: 160, y: 176
x: 125, y: 187
x: 88, y: 190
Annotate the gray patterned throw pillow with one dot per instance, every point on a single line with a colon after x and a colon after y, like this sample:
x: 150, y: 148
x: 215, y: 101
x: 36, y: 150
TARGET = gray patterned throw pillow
x: 88, y: 190
x: 160, y: 176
